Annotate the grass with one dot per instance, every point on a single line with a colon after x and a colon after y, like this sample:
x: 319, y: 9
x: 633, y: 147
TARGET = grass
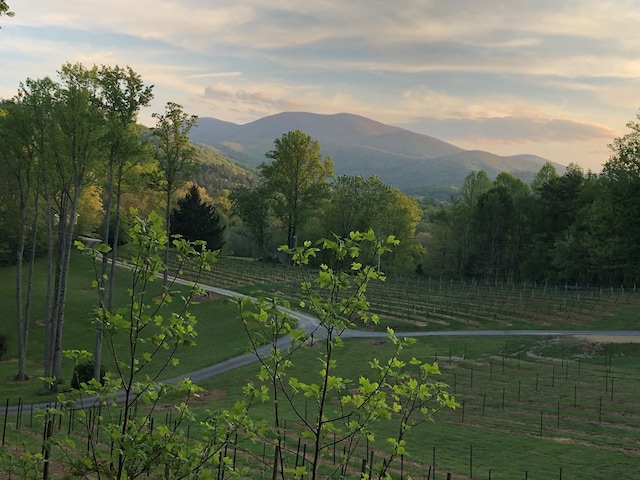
x: 419, y: 303
x: 529, y: 406
x: 585, y: 425
x: 220, y: 332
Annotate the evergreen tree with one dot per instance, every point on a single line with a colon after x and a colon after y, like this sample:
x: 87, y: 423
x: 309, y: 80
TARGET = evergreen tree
x: 197, y: 220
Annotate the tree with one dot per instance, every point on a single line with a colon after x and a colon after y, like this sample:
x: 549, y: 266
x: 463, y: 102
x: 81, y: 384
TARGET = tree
x: 155, y: 334
x: 251, y: 206
x: 296, y: 180
x: 174, y: 154
x: 19, y: 156
x: 121, y: 94
x: 621, y: 175
x: 4, y: 9
x: 452, y: 246
x: 356, y: 204
x: 197, y: 220
x: 343, y: 410
x: 546, y: 174
x: 73, y: 147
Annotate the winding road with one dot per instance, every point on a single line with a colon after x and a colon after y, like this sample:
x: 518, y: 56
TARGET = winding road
x: 310, y: 324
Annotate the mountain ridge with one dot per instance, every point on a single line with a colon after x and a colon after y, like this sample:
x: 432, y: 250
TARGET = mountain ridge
x: 361, y: 146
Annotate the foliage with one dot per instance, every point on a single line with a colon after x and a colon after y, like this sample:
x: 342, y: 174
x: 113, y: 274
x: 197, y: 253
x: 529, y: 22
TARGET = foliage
x: 172, y: 149
x: 575, y: 228
x: 252, y: 208
x: 4, y: 9
x: 174, y: 154
x: 215, y: 172
x: 359, y: 204
x: 197, y: 220
x: 343, y: 410
x: 296, y: 180
x: 129, y: 395
x: 4, y: 344
x: 83, y: 373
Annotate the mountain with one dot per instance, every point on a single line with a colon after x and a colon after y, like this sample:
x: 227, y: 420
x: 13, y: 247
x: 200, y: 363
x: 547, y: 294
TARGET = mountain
x: 214, y: 172
x: 409, y: 161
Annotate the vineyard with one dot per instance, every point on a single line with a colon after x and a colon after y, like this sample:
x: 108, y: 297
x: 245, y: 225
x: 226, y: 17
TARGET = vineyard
x: 537, y: 409
x: 417, y: 303
x: 529, y: 408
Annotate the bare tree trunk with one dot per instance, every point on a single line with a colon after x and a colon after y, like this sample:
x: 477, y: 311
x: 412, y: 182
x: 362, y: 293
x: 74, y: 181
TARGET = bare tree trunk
x: 116, y: 239
x: 97, y: 352
x: 48, y: 314
x: 24, y: 319
x: 19, y: 307
x: 167, y: 219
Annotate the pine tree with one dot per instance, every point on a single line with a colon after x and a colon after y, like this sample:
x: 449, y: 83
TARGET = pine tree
x: 197, y: 220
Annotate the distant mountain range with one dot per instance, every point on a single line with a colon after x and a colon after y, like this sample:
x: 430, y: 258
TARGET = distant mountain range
x: 409, y: 161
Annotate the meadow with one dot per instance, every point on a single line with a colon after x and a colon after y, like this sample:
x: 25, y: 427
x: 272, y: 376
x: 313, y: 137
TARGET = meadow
x: 535, y: 408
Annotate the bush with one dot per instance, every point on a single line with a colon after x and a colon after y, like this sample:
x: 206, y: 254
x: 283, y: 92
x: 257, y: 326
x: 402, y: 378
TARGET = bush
x: 83, y: 372
x: 4, y: 344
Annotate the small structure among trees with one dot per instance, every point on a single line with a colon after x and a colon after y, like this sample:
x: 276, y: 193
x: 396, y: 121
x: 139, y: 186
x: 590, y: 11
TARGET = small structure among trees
x: 195, y: 219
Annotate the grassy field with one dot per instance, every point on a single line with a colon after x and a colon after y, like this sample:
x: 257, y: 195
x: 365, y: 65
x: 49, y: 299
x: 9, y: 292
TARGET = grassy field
x: 536, y: 408
x: 220, y: 332
x: 527, y: 407
x: 419, y: 303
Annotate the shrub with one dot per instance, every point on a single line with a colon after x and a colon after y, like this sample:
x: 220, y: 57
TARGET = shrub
x: 83, y: 372
x: 4, y: 344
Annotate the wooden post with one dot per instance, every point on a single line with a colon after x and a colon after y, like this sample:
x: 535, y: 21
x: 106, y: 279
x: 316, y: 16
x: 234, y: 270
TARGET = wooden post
x: 541, y: 422
x: 4, y: 427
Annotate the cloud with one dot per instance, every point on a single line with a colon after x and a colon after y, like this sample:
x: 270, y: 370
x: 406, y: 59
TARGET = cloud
x: 498, y: 71
x: 262, y: 100
x: 216, y: 74
x: 509, y: 130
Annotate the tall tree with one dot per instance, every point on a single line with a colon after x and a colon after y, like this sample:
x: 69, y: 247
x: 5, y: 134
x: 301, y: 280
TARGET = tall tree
x: 122, y: 94
x: 296, y: 179
x: 252, y: 207
x: 78, y: 128
x: 40, y: 97
x: 175, y: 156
x: 622, y: 188
x: 356, y: 203
x: 19, y: 157
x: 558, y: 203
x: 197, y: 220
x: 457, y: 225
x: 360, y: 204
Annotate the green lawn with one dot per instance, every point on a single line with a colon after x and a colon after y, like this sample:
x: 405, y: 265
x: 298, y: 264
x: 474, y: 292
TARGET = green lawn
x: 499, y: 426
x: 220, y: 332
x: 529, y: 407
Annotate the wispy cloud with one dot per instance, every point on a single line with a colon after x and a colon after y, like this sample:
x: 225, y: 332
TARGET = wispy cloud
x: 544, y: 70
x: 216, y: 75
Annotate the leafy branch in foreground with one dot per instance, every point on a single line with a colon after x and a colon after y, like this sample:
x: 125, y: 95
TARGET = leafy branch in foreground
x: 120, y: 439
x: 344, y: 411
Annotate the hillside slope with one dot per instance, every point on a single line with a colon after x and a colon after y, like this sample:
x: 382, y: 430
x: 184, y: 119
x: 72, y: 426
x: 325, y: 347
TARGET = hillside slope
x: 409, y: 161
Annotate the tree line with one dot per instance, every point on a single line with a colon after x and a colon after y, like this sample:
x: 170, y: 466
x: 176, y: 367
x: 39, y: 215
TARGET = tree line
x: 73, y: 160
x: 571, y: 228
x: 72, y: 153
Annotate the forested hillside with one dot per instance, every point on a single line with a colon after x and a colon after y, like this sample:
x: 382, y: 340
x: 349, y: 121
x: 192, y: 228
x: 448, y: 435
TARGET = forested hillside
x: 406, y: 160
x: 215, y: 172
x: 576, y: 228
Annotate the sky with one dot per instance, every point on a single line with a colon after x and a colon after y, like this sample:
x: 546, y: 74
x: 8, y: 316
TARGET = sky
x: 555, y: 78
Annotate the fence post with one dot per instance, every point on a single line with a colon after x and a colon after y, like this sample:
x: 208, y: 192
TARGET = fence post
x: 541, y: 422
x: 434, y: 463
x: 4, y: 427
